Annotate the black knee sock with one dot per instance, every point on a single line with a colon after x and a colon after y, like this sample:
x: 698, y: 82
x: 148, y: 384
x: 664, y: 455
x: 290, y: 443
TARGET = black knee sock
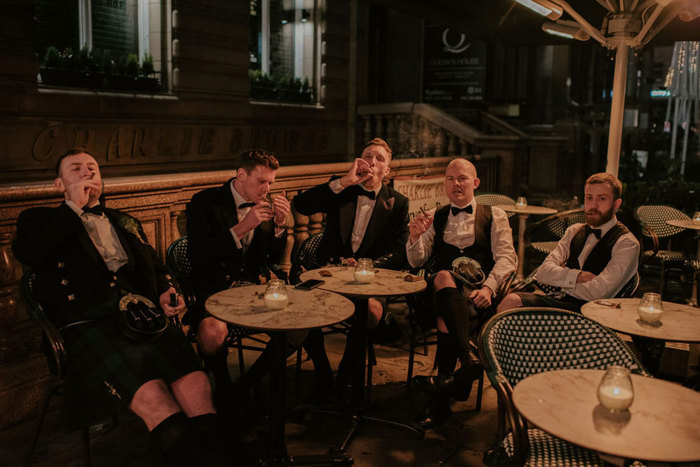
x: 174, y: 439
x: 217, y: 365
x: 313, y: 344
x: 213, y: 450
x: 446, y: 354
x: 455, y: 312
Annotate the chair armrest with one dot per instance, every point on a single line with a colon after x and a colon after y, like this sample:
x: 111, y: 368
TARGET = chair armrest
x: 649, y: 232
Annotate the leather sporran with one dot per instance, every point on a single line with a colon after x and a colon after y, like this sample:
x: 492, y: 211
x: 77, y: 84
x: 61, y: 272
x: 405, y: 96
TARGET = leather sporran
x: 139, y: 319
x: 468, y: 271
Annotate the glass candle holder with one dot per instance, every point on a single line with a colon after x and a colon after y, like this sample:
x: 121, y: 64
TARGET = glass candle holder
x: 615, y: 391
x: 364, y: 271
x: 650, y: 308
x: 276, y: 297
x: 696, y: 217
x: 521, y: 202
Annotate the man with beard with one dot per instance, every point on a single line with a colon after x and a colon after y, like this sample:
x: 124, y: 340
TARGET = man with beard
x: 592, y: 261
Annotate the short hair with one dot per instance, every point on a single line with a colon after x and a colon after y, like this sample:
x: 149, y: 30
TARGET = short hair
x: 70, y: 152
x: 609, y: 180
x: 249, y: 160
x: 377, y: 142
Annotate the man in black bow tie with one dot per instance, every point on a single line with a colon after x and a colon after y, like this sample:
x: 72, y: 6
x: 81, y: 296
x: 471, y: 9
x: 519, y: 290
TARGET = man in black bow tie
x: 365, y: 218
x: 592, y: 261
x: 85, y: 258
x: 461, y: 229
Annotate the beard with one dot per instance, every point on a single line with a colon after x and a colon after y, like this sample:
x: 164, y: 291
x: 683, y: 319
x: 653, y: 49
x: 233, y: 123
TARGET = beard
x: 595, y: 218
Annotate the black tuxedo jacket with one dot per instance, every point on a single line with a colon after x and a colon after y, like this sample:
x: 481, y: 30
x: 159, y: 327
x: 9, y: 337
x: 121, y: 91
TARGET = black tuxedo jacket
x: 72, y: 279
x: 387, y: 230
x: 215, y: 258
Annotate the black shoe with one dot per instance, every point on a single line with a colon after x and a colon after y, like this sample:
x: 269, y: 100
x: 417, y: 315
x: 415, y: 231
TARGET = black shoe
x: 436, y: 412
x: 429, y: 383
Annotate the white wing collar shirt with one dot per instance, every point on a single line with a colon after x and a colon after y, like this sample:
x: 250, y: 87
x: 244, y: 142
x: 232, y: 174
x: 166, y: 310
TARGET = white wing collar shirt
x: 103, y: 236
x: 459, y: 231
x: 363, y: 212
x: 620, y: 269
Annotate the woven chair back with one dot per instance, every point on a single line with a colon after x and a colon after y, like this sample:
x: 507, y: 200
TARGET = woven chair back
x: 655, y: 217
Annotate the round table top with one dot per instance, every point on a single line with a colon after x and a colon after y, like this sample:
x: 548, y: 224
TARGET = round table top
x: 685, y: 223
x: 529, y: 209
x: 245, y: 307
x: 680, y: 323
x: 661, y: 424
x: 386, y: 282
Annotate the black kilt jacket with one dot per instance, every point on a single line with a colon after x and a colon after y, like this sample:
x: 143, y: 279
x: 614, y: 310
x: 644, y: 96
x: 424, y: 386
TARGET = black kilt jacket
x: 73, y: 284
x: 387, y: 230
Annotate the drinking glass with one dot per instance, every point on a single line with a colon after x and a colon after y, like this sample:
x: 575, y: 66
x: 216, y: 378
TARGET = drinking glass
x: 276, y: 297
x: 650, y: 308
x: 615, y: 391
x: 364, y: 271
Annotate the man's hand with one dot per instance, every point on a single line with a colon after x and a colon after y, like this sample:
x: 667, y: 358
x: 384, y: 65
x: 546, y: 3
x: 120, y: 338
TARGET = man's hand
x: 352, y: 262
x: 165, y: 303
x: 359, y: 172
x: 281, y: 208
x: 481, y: 297
x: 84, y: 192
x: 258, y: 214
x: 584, y: 276
x: 419, y: 225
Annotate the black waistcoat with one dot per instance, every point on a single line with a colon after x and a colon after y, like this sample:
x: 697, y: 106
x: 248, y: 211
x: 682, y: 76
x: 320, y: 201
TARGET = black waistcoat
x: 600, y: 255
x: 480, y: 250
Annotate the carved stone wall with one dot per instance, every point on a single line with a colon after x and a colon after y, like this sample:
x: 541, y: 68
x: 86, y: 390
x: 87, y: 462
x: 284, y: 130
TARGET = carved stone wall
x: 159, y: 202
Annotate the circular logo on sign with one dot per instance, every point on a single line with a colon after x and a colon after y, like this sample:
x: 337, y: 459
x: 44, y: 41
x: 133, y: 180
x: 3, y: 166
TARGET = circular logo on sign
x: 461, y: 46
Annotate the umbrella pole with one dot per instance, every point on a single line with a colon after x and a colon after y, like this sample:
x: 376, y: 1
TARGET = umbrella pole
x: 618, y: 108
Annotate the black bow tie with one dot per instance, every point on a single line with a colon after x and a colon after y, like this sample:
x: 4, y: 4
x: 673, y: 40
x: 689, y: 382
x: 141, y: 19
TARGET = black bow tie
x: 455, y: 210
x: 590, y: 230
x: 369, y: 194
x: 246, y: 205
x: 96, y: 209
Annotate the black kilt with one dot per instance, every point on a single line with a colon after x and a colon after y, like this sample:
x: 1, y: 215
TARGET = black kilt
x: 105, y: 368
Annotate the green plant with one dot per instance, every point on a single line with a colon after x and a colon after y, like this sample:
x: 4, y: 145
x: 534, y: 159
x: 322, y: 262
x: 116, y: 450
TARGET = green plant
x: 121, y: 65
x: 96, y: 60
x: 53, y: 58
x: 107, y: 63
x: 71, y: 60
x: 147, y: 67
x: 132, y: 65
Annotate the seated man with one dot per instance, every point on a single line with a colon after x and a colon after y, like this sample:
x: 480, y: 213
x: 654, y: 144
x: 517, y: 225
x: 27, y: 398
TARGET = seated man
x: 365, y: 219
x: 592, y: 261
x: 463, y: 228
x: 85, y: 257
x: 234, y: 236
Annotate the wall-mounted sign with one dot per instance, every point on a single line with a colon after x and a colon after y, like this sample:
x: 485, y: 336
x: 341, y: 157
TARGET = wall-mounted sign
x: 454, y: 66
x: 424, y: 192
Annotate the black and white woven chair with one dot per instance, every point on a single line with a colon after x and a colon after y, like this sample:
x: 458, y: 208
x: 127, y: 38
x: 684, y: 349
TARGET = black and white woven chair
x: 654, y: 228
x: 494, y: 199
x: 551, y: 229
x: 521, y: 342
x: 179, y: 263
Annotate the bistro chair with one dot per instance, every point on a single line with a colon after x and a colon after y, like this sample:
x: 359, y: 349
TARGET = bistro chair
x: 524, y: 341
x: 179, y: 262
x: 495, y: 199
x: 550, y: 230
x: 654, y: 227
x: 57, y: 359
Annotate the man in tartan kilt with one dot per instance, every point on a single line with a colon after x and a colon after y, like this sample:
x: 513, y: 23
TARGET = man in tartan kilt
x: 85, y: 257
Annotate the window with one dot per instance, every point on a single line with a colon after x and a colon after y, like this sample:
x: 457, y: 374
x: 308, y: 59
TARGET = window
x: 113, y: 44
x: 284, y: 53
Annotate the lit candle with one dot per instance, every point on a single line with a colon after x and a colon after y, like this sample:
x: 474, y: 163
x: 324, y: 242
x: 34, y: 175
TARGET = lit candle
x: 615, y: 398
x: 275, y: 301
x: 364, y: 276
x: 650, y: 314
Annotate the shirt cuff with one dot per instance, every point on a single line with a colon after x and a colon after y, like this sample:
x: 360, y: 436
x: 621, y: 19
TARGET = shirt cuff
x: 492, y: 284
x: 570, y: 280
x: 335, y: 186
x: 281, y: 232
x: 239, y: 245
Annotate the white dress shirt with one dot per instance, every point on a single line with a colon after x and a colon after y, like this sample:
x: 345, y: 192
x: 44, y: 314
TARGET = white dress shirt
x: 241, y: 243
x: 363, y: 213
x: 620, y: 269
x: 459, y: 232
x: 103, y: 236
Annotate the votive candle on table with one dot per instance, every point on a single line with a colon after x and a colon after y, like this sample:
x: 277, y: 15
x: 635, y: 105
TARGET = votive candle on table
x: 364, y: 271
x: 615, y: 391
x: 521, y: 202
x: 696, y: 217
x: 650, y: 308
x: 275, y: 296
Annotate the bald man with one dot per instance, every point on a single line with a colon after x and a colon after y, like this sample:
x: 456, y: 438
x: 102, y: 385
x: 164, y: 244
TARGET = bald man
x: 437, y: 238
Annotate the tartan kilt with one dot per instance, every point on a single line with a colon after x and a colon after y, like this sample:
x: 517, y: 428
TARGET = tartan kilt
x: 105, y: 368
